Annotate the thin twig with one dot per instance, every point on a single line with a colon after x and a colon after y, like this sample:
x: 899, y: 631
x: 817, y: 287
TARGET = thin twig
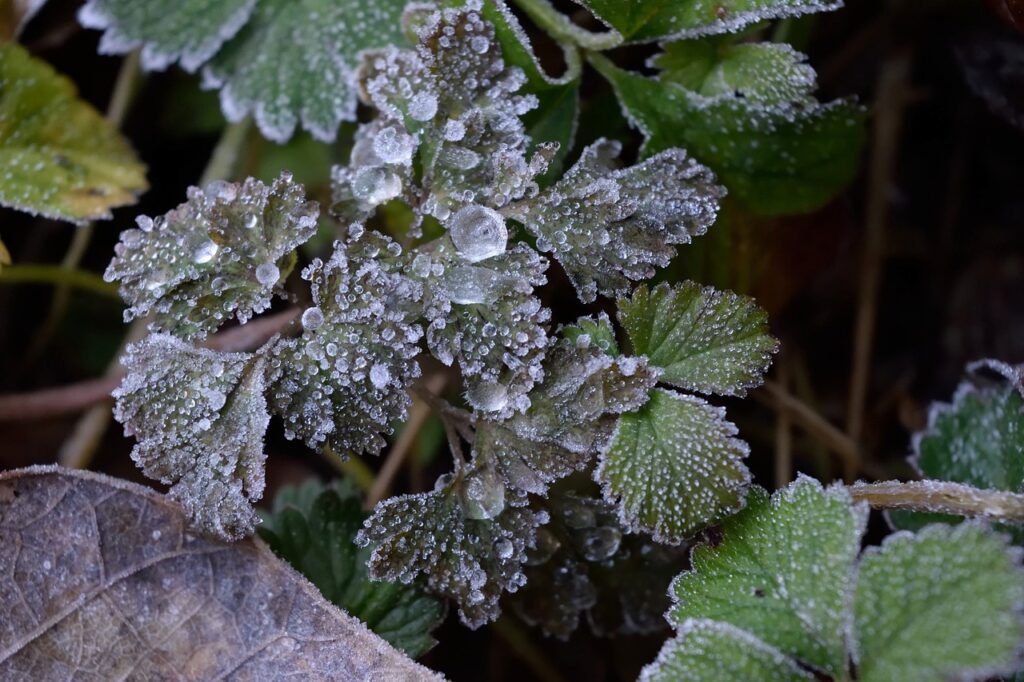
x: 942, y: 497
x: 54, y: 402
x: 891, y: 100
x: 58, y: 275
x: 528, y: 652
x: 418, y: 414
x: 351, y: 467
x: 783, y: 432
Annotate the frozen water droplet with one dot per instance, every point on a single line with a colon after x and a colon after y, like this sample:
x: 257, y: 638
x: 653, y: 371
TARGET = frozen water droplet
x: 483, y: 495
x: 380, y: 376
x: 421, y: 265
x: 471, y: 284
x: 479, y: 44
x: 547, y: 545
x: 205, y: 252
x: 157, y: 279
x: 312, y: 318
x: 478, y: 232
x: 267, y: 274
x: 250, y: 221
x: 460, y: 157
x: 156, y: 534
x: 577, y: 516
x: 503, y: 548
x: 600, y: 543
x: 487, y: 396
x: 423, y: 105
x: 477, y: 579
x: 375, y: 185
x: 47, y: 565
x: 393, y: 146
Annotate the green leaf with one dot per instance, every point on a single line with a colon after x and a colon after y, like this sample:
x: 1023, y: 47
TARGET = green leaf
x: 703, y: 339
x: 776, y: 157
x: 649, y: 20
x: 314, y: 528
x: 942, y: 604
x: 218, y: 255
x: 597, y: 330
x: 61, y: 158
x: 199, y: 417
x: 675, y: 466
x: 283, y: 61
x: 707, y: 651
x: 781, y: 572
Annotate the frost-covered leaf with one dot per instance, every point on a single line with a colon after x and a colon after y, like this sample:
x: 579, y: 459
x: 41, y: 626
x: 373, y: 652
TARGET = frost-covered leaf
x: 775, y: 156
x: 781, y: 572
x: 484, y: 316
x: 190, y: 31
x: 608, y: 226
x: 285, y: 62
x: 648, y: 20
x: 465, y: 537
x: 570, y: 417
x: 199, y: 417
x: 597, y: 330
x: 314, y: 529
x: 943, y: 604
x: 702, y: 339
x: 61, y: 158
x: 218, y: 255
x: 675, y: 467
x: 708, y: 651
x: 344, y: 380
x: 103, y: 580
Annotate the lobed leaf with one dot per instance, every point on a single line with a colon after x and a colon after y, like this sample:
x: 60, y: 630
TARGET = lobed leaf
x: 104, y: 581
x: 218, y: 255
x: 313, y: 528
x: 675, y: 467
x: 608, y: 227
x: 199, y: 417
x: 61, y: 158
x: 649, y: 20
x: 702, y: 339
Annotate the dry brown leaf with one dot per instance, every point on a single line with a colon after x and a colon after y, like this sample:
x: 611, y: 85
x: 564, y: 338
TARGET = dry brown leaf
x: 100, y: 579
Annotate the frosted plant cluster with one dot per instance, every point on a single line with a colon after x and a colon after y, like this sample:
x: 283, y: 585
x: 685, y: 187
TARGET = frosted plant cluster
x: 544, y: 401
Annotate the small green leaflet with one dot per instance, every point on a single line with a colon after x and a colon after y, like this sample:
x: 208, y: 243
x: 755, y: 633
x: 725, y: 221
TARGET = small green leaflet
x: 777, y: 157
x: 649, y: 20
x: 786, y: 581
x: 283, y: 61
x: 675, y: 466
x: 703, y: 339
x: 313, y: 528
x: 61, y: 158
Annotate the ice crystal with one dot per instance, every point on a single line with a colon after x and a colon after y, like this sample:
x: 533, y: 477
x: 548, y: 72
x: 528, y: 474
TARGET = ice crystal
x: 344, y: 380
x: 456, y: 537
x: 609, y: 227
x: 216, y: 256
x: 199, y: 417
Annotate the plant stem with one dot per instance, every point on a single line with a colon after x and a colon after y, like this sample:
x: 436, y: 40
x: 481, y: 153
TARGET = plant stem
x: 519, y: 642
x: 224, y: 159
x: 561, y: 28
x: 58, y: 275
x: 351, y: 468
x: 941, y: 497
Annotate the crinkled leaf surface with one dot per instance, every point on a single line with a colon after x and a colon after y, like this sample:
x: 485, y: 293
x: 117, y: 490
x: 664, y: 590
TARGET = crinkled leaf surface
x: 199, y: 417
x: 943, y: 604
x: 675, y: 467
x: 101, y: 579
x: 218, y: 255
x: 648, y: 20
x: 609, y: 227
x: 465, y: 537
x: 703, y: 339
x: 314, y: 528
x: 784, y: 577
x: 189, y: 31
x: 707, y: 651
x: 775, y: 156
x: 60, y: 157
x: 785, y: 565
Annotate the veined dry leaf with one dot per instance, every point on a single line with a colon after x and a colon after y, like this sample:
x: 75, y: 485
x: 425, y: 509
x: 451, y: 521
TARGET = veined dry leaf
x: 100, y: 579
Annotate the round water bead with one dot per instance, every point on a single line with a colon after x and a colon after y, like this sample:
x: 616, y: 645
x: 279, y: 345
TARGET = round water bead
x: 391, y: 145
x: 375, y: 185
x: 487, y: 396
x: 478, y: 232
x: 483, y: 495
x: 267, y: 274
x: 312, y: 318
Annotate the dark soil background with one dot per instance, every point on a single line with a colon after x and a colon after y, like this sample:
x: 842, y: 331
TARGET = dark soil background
x: 934, y: 217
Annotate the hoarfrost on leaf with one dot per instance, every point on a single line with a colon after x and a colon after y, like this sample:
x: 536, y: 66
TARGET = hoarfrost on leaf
x: 609, y: 227
x: 471, y: 560
x: 199, y: 417
x: 674, y: 467
x: 703, y: 339
x: 344, y: 380
x: 213, y: 257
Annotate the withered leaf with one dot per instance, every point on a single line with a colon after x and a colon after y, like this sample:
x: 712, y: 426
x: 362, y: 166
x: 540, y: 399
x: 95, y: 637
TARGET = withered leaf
x: 99, y: 579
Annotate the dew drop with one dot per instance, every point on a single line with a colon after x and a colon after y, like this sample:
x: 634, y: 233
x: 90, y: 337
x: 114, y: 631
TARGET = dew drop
x: 375, y: 185
x: 483, y: 495
x: 600, y: 543
x: 423, y: 106
x: 479, y: 44
x: 487, y: 396
x: 312, y: 318
x: 478, y: 232
x: 380, y: 376
x: 205, y: 252
x: 267, y: 274
x: 393, y: 146
x: 503, y: 548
